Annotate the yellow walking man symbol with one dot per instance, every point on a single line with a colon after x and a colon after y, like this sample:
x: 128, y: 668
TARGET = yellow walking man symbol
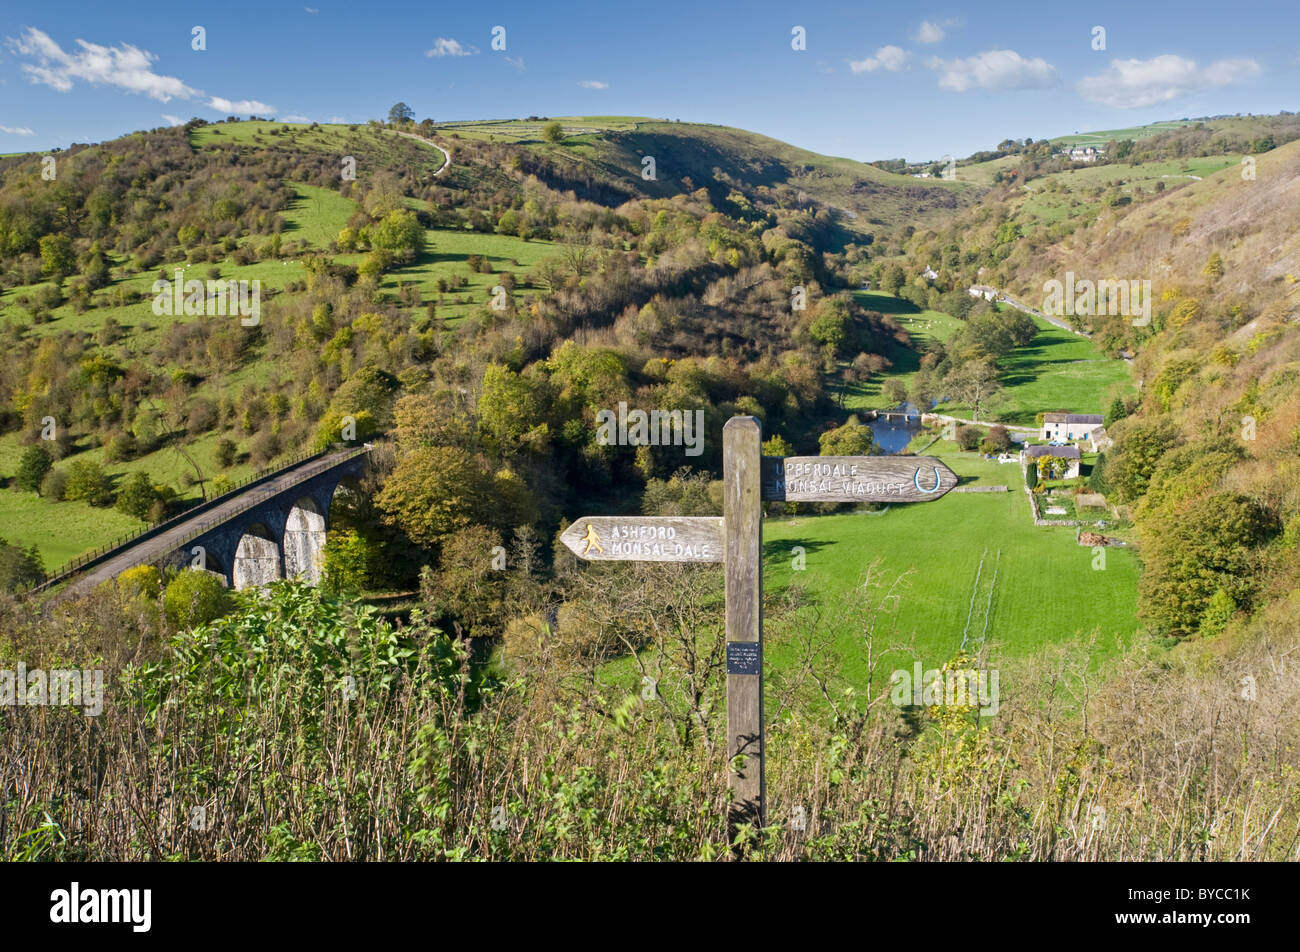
x: 591, y: 539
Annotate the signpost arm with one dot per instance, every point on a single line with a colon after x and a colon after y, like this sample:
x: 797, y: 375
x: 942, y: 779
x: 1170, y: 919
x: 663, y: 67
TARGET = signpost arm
x: 743, y: 513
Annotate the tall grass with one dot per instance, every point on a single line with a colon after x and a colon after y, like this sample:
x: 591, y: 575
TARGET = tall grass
x: 302, y: 728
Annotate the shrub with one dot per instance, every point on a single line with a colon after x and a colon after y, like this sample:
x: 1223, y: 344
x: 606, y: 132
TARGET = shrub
x: 87, y: 480
x: 55, y: 485
x: 968, y: 437
x: 194, y: 597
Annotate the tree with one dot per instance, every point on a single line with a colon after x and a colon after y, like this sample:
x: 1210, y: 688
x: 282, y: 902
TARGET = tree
x: 1139, y: 444
x: 434, y: 491
x: 893, y: 279
x: 1208, y: 549
x: 136, y: 497
x: 1052, y: 467
x: 56, y: 256
x: 350, y: 563
x: 999, y: 439
x: 973, y: 383
x: 195, y: 597
x: 19, y: 568
x: 552, y: 132
x: 508, y: 223
x: 95, y: 271
x: 777, y: 445
x: 1118, y: 411
x: 852, y: 439
x: 466, y: 585
x: 833, y: 326
x: 510, y: 410
x: 400, y: 114
x: 87, y: 480
x: 399, y: 234
x: 32, y: 467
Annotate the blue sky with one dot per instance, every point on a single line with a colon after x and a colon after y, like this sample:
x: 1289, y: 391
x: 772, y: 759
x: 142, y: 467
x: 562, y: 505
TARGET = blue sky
x: 875, y: 81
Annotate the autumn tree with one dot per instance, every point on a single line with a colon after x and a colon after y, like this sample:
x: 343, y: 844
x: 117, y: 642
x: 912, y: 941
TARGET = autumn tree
x: 853, y: 438
x: 973, y: 383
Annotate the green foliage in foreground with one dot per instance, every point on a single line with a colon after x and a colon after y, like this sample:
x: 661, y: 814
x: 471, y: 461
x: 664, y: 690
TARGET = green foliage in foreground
x: 301, y: 727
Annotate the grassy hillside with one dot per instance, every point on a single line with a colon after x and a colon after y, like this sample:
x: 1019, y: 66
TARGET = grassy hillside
x: 612, y: 149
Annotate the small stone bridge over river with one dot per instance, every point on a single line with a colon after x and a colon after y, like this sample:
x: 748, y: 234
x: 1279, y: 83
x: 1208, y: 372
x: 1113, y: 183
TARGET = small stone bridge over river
x: 273, y: 527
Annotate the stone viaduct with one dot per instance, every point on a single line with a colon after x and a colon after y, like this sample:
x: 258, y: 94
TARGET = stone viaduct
x: 272, y: 528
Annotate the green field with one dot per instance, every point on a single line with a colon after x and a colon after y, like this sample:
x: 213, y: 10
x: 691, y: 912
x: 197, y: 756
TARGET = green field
x: 924, y: 326
x: 1135, y: 133
x: 1046, y: 588
x: 446, y: 255
x: 1057, y: 371
x: 62, y: 530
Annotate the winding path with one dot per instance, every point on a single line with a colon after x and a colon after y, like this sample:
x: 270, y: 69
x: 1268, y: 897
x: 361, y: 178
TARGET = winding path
x: 446, y: 155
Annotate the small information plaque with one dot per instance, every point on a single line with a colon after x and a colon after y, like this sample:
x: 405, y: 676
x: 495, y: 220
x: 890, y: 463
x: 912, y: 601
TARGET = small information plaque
x: 743, y: 657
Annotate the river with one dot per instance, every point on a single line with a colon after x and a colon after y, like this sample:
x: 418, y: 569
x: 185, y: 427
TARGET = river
x: 892, y: 436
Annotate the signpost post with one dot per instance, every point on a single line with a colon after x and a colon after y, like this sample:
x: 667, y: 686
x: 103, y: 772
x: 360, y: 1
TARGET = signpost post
x: 736, y: 540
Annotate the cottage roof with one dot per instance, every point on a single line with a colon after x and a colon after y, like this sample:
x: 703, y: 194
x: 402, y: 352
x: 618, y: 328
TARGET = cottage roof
x: 1065, y: 452
x: 1091, y: 418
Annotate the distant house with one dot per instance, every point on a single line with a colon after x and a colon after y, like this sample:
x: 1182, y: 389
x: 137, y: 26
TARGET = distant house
x: 1070, y: 426
x: 1031, y: 454
x: 984, y: 291
x: 929, y: 273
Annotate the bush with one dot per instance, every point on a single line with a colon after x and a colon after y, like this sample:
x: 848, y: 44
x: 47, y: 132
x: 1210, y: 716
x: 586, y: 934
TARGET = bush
x: 225, y: 454
x: 999, y: 439
x: 136, y: 497
x: 87, y: 480
x: 141, y: 581
x: 194, y: 597
x: 969, y: 437
x: 55, y: 485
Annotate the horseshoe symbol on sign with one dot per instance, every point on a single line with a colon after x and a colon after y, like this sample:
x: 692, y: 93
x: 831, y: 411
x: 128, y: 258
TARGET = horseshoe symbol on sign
x: 916, y: 481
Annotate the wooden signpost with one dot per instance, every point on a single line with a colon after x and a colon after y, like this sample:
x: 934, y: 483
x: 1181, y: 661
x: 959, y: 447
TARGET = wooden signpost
x: 748, y: 480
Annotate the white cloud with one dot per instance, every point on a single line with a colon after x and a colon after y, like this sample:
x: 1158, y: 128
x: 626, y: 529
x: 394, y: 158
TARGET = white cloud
x: 293, y: 118
x: 312, y: 10
x: 890, y: 58
x: 239, y: 107
x: 17, y: 130
x: 1133, y: 83
x: 446, y: 47
x: 516, y: 61
x: 341, y: 120
x: 173, y: 120
x: 593, y: 84
x: 932, y: 31
x: 126, y: 67
x: 994, y: 69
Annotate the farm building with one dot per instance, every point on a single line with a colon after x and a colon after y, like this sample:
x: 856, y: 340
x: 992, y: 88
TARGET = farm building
x: 982, y: 290
x: 1070, y: 454
x: 1070, y: 426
